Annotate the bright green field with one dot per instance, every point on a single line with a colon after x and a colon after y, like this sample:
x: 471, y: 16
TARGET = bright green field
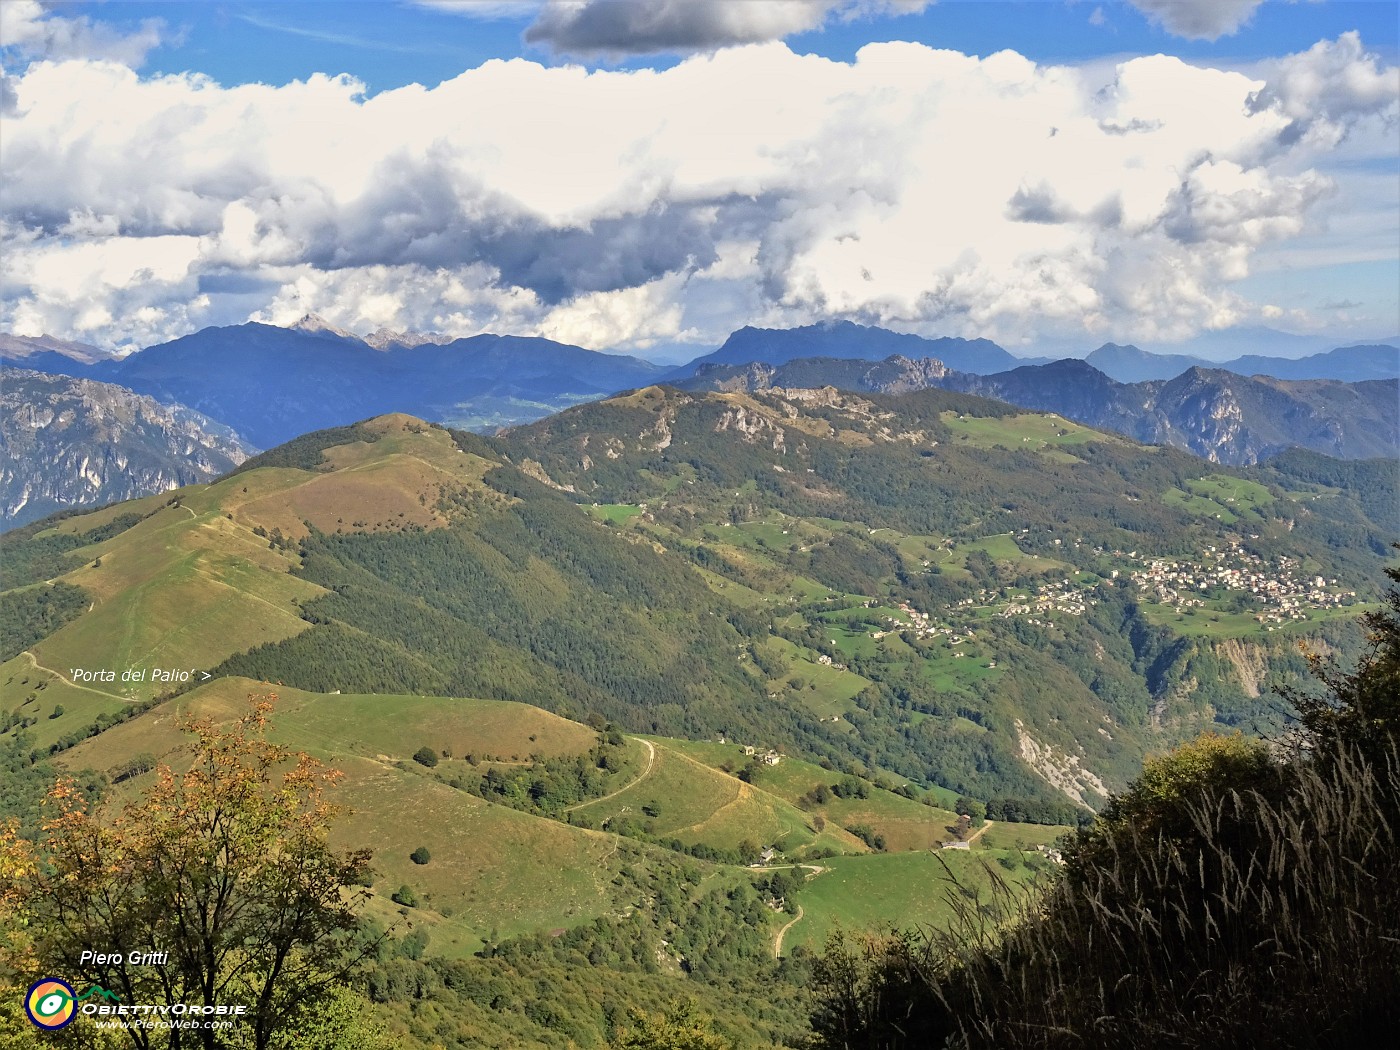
x: 696, y: 803
x: 950, y: 673
x: 1219, y: 496
x: 906, y: 824
x: 617, y: 513
x: 952, y: 558
x: 1000, y: 835
x: 736, y: 592
x: 884, y: 890
x: 826, y: 690
x: 1035, y: 432
x: 1210, y: 624
x: 1200, y: 506
x: 1238, y: 493
x: 770, y: 534
x: 683, y: 793
x: 851, y: 642
x: 793, y: 777
x: 20, y: 680
x: 1003, y: 548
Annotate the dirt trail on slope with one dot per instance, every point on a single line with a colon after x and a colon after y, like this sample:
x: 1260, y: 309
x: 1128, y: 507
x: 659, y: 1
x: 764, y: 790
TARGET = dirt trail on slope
x: 979, y: 832
x: 69, y: 682
x: 778, y: 940
x: 651, y: 761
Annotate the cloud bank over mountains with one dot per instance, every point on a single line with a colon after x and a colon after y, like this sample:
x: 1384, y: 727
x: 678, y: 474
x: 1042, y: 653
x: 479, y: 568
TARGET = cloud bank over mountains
x: 921, y: 189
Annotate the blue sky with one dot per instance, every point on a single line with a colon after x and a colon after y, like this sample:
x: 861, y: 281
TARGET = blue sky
x: 390, y: 43
x: 653, y: 175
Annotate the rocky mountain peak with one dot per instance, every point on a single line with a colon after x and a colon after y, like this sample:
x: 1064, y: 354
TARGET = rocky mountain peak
x: 383, y: 338
x: 315, y: 324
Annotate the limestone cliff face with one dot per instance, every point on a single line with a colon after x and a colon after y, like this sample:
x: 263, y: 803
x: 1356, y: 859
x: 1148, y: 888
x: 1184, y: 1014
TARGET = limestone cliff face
x: 74, y: 442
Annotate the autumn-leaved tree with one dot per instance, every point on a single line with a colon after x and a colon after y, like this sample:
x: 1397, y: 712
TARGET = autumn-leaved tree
x: 224, y: 865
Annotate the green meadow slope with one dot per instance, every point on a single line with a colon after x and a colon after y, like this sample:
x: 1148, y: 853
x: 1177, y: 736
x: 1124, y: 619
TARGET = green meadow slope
x: 500, y: 872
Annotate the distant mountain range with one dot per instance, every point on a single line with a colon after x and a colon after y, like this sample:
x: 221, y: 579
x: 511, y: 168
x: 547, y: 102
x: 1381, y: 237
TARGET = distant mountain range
x: 1218, y: 415
x: 46, y: 348
x: 73, y: 442
x: 272, y: 384
x: 1127, y: 364
x: 844, y: 339
x: 1255, y: 340
x: 268, y: 385
x: 1351, y: 364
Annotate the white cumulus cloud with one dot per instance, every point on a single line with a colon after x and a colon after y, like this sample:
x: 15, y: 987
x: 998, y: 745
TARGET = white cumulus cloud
x: 1327, y: 89
x: 30, y: 30
x: 919, y: 188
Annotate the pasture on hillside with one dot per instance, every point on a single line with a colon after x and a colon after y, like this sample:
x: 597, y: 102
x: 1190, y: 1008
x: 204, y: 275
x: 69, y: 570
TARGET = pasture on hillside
x: 883, y: 891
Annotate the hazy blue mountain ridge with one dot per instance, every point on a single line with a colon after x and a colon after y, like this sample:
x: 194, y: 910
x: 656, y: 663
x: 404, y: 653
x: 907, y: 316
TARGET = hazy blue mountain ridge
x: 272, y: 384
x: 1351, y: 364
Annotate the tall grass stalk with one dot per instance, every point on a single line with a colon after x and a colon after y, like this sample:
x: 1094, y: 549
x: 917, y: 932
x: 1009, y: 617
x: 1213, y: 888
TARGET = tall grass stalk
x: 1266, y: 919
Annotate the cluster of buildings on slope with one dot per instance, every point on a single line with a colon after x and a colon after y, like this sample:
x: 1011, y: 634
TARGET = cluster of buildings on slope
x: 1063, y: 597
x: 766, y: 755
x: 1282, y: 593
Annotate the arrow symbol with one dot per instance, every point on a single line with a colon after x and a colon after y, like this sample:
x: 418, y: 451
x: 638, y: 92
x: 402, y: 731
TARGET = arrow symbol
x: 205, y: 676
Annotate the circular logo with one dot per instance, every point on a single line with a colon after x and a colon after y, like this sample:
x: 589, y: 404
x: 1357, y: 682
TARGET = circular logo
x: 51, y: 1003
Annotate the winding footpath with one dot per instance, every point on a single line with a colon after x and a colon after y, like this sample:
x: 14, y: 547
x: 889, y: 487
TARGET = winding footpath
x: 72, y: 684
x: 651, y: 760
x: 778, y: 940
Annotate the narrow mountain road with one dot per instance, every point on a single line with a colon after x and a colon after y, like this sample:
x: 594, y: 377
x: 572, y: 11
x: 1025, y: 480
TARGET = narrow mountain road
x: 979, y: 832
x: 69, y: 682
x: 778, y: 940
x: 651, y: 760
